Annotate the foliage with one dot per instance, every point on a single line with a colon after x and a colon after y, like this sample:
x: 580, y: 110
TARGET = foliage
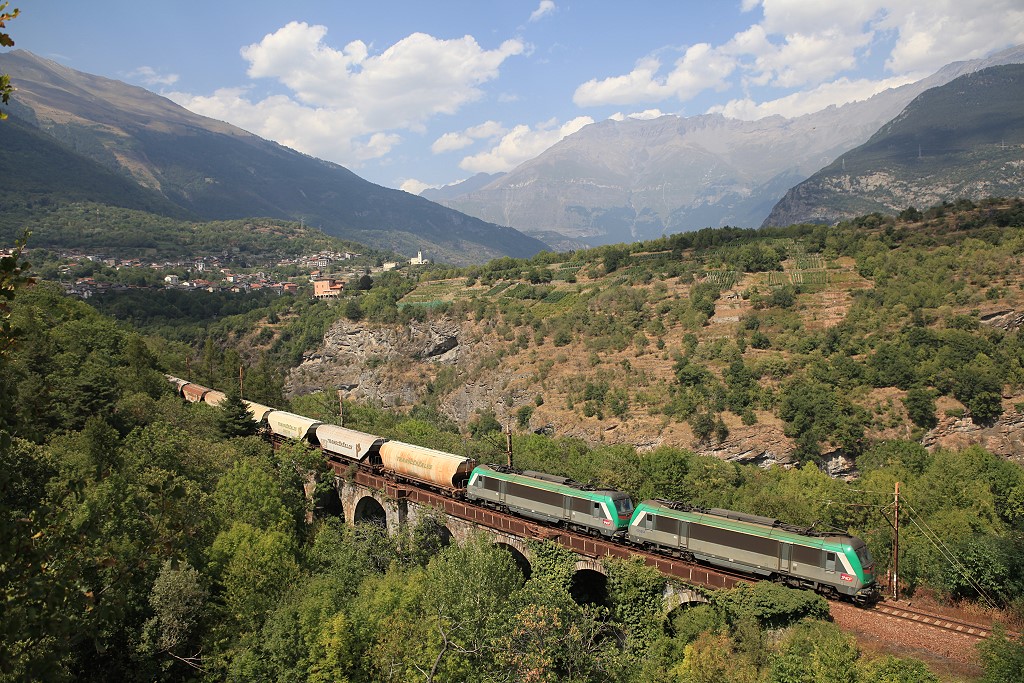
x: 234, y: 418
x: 148, y: 544
x: 5, y: 41
x: 178, y: 598
x: 1002, y: 656
x: 891, y: 669
x: 816, y: 650
x: 770, y: 604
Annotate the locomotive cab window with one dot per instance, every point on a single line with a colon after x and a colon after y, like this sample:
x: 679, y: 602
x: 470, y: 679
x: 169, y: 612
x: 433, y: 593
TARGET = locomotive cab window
x: 830, y: 562
x: 598, y: 511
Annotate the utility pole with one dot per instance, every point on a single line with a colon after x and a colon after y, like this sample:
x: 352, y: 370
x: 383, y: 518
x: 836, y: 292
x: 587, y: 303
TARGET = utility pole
x: 508, y: 442
x: 341, y: 408
x: 896, y: 543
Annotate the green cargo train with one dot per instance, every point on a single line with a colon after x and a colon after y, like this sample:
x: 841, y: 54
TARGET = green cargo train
x: 551, y: 499
x: 833, y: 564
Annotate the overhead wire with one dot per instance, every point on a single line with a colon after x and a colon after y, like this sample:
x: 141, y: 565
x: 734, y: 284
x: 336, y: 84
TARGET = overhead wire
x: 936, y: 541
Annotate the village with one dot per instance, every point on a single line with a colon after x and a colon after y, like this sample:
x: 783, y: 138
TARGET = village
x: 324, y: 274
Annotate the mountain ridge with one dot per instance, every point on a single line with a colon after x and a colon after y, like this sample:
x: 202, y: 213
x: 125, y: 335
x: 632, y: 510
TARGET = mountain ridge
x: 217, y: 171
x: 959, y: 140
x: 596, y: 184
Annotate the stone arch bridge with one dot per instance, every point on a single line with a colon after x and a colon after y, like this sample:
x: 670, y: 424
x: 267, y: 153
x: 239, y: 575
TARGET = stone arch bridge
x: 363, y: 496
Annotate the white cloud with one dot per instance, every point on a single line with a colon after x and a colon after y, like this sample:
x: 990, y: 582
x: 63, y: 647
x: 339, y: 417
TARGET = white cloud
x: 413, y: 186
x: 938, y: 32
x: 345, y: 105
x: 701, y: 67
x: 546, y: 7
x: 521, y: 144
x: 644, y: 115
x: 799, y: 48
x: 462, y: 139
x: 838, y: 92
x: 450, y: 142
x: 150, y: 76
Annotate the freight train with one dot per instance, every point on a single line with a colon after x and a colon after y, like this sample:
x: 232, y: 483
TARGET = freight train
x: 837, y: 565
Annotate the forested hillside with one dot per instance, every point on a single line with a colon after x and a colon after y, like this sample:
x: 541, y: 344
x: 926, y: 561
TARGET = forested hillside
x: 151, y: 539
x: 112, y: 231
x: 806, y: 343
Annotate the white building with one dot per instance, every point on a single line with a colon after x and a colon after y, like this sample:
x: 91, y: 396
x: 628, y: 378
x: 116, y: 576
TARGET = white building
x: 418, y: 260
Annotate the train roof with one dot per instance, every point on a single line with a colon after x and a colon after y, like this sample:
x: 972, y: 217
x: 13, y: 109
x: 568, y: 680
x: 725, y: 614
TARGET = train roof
x: 743, y: 522
x: 258, y: 410
x: 549, y: 482
x: 425, y: 464
x: 214, y: 397
x: 291, y: 425
x: 194, y: 392
x: 348, y: 442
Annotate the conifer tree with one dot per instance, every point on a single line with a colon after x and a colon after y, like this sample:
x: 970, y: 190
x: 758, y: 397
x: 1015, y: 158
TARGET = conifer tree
x: 235, y: 418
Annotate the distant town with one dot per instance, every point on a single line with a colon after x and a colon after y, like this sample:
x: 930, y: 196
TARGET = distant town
x: 85, y: 274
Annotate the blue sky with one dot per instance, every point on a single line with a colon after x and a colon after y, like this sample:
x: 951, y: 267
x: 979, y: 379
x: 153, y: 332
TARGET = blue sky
x: 413, y: 94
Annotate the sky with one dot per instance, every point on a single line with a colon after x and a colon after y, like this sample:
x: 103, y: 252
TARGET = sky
x: 419, y: 93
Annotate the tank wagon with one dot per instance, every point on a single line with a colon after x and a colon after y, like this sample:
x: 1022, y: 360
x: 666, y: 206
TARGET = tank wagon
x: 833, y: 564
x: 214, y: 397
x: 347, y: 445
x: 258, y: 411
x: 551, y: 499
x: 443, y: 471
x: 291, y: 426
x: 192, y: 392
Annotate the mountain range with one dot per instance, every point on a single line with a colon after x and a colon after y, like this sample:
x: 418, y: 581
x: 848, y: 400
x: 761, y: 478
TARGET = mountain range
x: 964, y: 139
x: 76, y: 137
x: 620, y: 181
x: 83, y: 137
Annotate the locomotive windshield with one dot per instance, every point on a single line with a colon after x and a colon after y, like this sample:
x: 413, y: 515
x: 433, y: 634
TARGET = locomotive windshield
x: 624, y: 506
x: 864, y: 555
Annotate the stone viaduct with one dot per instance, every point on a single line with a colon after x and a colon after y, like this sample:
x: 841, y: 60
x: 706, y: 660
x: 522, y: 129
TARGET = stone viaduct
x: 363, y: 497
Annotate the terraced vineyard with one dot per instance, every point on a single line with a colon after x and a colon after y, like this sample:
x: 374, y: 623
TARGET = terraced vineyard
x: 722, y: 278
x: 438, y: 292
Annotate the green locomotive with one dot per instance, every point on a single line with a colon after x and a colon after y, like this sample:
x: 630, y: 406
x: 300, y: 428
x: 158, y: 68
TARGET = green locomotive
x: 551, y: 499
x: 833, y: 564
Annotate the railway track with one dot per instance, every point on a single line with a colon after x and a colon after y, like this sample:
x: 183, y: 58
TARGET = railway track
x: 941, y: 636
x: 976, y: 631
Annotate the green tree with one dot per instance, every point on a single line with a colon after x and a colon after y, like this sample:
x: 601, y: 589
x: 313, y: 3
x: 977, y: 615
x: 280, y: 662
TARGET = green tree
x: 5, y: 41
x: 1002, y: 656
x: 466, y: 602
x: 234, y: 418
x: 251, y: 493
x: 920, y: 404
x: 523, y: 416
x: 254, y: 569
x: 177, y: 598
x: 771, y: 605
x: 816, y: 651
x: 889, y: 669
x: 485, y: 423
